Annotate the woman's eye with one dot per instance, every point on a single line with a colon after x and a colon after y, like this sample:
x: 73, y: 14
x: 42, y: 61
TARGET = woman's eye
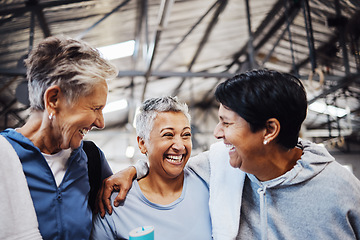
x: 168, y: 135
x: 187, y: 134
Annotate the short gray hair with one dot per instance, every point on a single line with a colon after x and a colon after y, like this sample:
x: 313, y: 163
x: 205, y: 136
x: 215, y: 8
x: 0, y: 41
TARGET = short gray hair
x: 71, y: 64
x: 150, y: 109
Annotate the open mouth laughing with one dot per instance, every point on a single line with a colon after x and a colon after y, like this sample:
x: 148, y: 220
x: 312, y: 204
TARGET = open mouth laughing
x: 175, y: 159
x: 230, y: 147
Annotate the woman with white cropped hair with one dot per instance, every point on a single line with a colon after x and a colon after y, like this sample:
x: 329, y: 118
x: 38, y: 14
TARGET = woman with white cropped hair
x: 67, y: 92
x: 171, y: 197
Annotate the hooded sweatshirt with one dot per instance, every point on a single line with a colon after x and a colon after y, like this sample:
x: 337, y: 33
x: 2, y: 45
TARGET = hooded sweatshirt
x: 317, y: 199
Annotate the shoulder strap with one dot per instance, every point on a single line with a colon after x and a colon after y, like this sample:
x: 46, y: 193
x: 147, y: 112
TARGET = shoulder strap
x: 94, y: 170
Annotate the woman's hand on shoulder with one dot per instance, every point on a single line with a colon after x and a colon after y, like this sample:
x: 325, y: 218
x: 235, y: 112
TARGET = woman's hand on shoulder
x: 119, y: 182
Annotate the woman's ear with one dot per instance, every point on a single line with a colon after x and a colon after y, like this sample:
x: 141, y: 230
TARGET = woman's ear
x: 272, y: 130
x: 52, y: 99
x: 141, y: 144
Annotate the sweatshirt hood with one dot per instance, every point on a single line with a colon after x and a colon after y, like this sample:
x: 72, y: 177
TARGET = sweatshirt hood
x: 313, y: 160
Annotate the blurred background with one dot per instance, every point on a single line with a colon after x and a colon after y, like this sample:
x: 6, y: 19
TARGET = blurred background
x: 185, y: 48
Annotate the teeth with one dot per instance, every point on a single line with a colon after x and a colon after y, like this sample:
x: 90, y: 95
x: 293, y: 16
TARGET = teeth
x: 230, y: 146
x: 83, y: 131
x: 174, y: 158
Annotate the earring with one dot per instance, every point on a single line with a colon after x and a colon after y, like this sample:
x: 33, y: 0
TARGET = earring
x: 51, y: 116
x: 265, y: 142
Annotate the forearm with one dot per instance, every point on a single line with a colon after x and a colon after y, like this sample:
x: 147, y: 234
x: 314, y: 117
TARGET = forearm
x: 142, y: 169
x: 200, y: 165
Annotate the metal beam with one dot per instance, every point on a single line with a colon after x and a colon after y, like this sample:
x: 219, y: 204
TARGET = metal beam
x: 8, y: 84
x: 22, y: 10
x: 293, y: 11
x: 82, y: 34
x: 289, y: 22
x: 162, y: 22
x: 165, y: 74
x: 140, y: 21
x: 162, y: 74
x: 210, y: 27
x: 346, y: 81
x: 13, y: 71
x: 342, y: 38
x: 10, y: 18
x: 7, y: 107
x: 309, y: 34
x: 334, y: 38
x: 268, y: 19
x: 186, y: 35
x: 43, y: 23
x: 319, y: 50
x: 251, y: 52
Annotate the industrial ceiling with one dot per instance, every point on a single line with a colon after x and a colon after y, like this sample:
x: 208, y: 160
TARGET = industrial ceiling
x: 186, y: 47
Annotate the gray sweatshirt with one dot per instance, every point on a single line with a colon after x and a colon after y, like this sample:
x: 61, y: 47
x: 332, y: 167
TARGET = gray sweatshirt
x: 317, y: 199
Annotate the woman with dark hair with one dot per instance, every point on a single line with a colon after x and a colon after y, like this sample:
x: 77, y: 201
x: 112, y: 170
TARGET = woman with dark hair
x: 286, y: 188
x: 270, y: 107
x: 260, y: 95
x: 293, y: 189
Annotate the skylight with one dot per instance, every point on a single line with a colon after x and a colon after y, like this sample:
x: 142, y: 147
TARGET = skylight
x: 115, y: 106
x: 118, y: 50
x: 321, y: 107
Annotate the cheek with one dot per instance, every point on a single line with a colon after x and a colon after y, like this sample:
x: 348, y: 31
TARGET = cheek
x: 188, y: 145
x: 156, y: 150
x: 67, y: 130
x: 61, y: 128
x: 236, y: 139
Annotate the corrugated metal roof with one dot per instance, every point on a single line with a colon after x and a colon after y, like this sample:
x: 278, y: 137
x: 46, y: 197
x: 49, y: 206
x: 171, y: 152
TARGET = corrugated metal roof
x: 197, y: 44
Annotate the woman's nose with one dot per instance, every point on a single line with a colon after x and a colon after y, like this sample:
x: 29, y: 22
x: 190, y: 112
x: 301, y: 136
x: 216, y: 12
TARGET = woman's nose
x: 100, y: 122
x: 178, y: 144
x: 218, y: 132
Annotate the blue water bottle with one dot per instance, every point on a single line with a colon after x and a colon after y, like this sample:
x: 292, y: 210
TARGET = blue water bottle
x: 142, y: 233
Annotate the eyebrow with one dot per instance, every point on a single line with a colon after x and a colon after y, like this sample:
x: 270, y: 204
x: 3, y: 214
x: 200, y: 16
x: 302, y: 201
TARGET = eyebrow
x: 222, y: 118
x: 170, y: 128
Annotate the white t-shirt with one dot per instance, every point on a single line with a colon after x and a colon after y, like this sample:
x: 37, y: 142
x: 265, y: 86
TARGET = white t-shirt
x: 58, y: 164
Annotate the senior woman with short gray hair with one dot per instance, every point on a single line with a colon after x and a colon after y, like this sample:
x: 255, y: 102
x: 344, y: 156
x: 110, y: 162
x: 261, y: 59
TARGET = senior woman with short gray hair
x: 172, y: 198
x: 67, y: 92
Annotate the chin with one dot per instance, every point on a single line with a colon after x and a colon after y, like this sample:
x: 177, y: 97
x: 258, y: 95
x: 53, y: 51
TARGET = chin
x: 75, y: 145
x: 175, y: 174
x: 235, y: 163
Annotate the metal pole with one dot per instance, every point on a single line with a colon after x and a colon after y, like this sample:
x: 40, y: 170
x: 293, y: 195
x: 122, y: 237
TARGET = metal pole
x: 309, y: 33
x: 342, y: 38
x: 251, y: 38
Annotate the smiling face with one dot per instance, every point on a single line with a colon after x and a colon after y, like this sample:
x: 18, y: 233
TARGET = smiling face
x: 169, y: 146
x: 73, y: 121
x: 246, y: 149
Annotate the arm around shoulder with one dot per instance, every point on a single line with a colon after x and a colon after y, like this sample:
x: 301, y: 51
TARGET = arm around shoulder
x: 200, y: 164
